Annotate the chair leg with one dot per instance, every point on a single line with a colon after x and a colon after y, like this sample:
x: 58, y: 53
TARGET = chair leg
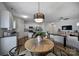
x: 18, y: 50
x: 32, y: 54
x: 53, y: 50
x: 60, y: 53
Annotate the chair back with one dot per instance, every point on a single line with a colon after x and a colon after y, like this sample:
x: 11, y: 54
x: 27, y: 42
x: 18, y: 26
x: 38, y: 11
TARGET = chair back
x: 14, y: 51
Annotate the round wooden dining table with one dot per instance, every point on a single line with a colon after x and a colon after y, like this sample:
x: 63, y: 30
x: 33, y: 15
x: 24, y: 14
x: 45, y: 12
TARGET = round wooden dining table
x: 42, y: 48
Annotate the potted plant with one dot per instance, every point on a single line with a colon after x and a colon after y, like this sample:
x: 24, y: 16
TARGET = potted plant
x: 42, y: 34
x: 39, y: 36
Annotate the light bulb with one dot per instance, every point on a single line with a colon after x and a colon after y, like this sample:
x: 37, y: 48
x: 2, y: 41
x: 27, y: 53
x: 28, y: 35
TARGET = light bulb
x: 39, y: 20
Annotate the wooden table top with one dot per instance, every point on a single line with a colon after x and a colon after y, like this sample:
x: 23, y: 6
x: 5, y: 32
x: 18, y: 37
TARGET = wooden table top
x: 45, y: 46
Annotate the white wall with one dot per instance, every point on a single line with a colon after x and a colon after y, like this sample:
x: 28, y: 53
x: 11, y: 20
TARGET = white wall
x: 68, y: 22
x: 2, y: 7
x: 19, y: 27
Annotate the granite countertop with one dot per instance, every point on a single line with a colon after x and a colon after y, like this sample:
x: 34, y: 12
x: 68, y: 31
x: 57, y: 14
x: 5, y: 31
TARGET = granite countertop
x: 8, y: 36
x: 63, y: 35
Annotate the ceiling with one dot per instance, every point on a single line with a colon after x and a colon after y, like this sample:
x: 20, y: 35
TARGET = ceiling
x: 53, y: 10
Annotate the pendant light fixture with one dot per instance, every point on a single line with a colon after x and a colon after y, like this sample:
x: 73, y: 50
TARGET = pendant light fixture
x: 39, y: 16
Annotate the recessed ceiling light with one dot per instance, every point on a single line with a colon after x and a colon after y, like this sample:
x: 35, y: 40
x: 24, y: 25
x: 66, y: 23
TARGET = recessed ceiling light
x: 61, y: 20
x: 52, y: 23
x: 24, y: 16
x: 78, y: 24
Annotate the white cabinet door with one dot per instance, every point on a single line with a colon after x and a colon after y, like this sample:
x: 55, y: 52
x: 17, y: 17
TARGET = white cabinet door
x: 5, y: 18
x: 0, y: 46
x: 7, y: 43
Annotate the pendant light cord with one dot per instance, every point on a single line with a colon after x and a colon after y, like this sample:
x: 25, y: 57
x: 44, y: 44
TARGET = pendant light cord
x: 38, y: 6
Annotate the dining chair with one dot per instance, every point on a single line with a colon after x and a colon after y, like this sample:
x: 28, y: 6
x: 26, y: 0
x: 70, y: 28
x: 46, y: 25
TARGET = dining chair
x: 14, y: 52
x: 60, y: 51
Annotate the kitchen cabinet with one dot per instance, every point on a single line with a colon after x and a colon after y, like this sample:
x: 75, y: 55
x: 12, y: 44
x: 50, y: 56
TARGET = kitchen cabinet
x: 73, y: 41
x: 6, y: 19
x: 0, y: 46
x: 7, y: 43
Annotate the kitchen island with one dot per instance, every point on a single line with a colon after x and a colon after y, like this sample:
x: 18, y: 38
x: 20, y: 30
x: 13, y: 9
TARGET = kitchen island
x: 6, y: 43
x: 71, y: 39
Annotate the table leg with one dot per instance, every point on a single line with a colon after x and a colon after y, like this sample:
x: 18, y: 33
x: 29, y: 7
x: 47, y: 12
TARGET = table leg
x: 64, y: 41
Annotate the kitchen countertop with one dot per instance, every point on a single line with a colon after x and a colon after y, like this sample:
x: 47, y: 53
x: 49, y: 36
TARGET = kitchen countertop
x: 63, y: 34
x: 8, y: 36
